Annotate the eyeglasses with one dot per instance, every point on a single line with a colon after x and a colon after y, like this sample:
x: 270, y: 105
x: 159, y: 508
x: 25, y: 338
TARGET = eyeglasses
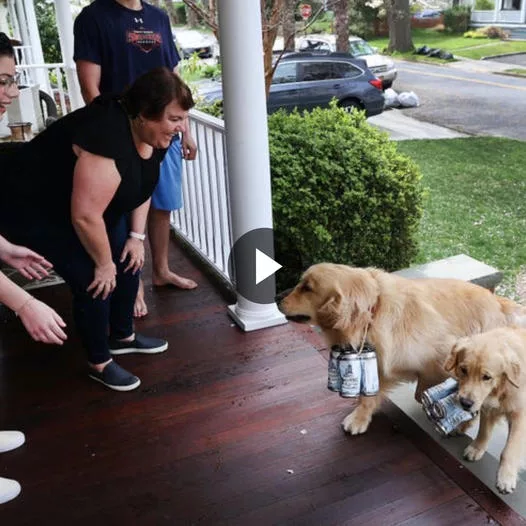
x: 7, y: 81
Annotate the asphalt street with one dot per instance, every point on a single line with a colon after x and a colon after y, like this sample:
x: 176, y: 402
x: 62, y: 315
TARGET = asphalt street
x: 469, y: 97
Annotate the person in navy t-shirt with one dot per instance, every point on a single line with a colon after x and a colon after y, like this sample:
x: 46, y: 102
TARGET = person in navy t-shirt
x: 116, y: 41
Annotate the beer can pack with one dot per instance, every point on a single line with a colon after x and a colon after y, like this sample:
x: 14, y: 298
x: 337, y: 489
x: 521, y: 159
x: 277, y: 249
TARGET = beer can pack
x: 351, y: 374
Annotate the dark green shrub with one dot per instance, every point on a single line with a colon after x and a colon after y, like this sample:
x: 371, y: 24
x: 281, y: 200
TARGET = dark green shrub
x: 457, y: 19
x: 180, y: 13
x: 341, y: 192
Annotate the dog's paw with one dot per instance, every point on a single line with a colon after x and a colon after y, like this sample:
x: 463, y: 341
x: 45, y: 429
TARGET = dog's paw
x: 506, y: 480
x: 473, y: 453
x: 356, y: 423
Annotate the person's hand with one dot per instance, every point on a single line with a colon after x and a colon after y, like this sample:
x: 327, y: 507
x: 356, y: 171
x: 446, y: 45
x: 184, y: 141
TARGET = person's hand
x: 104, y: 281
x: 134, y: 249
x: 189, y: 147
x: 28, y: 263
x: 41, y: 322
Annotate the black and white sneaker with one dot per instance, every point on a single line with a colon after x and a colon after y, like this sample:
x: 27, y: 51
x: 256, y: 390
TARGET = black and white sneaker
x: 141, y: 344
x: 115, y: 377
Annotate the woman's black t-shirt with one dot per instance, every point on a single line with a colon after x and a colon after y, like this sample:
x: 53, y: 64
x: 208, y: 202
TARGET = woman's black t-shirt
x: 38, y: 179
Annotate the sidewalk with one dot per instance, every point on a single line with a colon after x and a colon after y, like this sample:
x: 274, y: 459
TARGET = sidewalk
x: 401, y: 127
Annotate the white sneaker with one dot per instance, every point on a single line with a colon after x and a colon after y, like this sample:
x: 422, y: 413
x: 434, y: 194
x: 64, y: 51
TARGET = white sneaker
x: 9, y: 489
x: 11, y: 440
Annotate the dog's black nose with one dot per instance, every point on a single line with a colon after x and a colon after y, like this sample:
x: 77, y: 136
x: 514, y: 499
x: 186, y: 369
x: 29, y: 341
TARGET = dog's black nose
x: 466, y: 403
x: 279, y: 297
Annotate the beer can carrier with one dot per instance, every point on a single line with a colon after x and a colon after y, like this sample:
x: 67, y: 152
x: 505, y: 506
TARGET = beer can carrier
x: 353, y: 373
x: 441, y: 406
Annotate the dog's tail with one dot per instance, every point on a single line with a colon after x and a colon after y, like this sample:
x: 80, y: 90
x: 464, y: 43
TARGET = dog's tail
x: 515, y: 314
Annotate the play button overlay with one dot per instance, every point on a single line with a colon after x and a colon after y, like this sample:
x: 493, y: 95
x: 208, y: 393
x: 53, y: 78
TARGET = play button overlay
x: 265, y: 266
x: 252, y: 266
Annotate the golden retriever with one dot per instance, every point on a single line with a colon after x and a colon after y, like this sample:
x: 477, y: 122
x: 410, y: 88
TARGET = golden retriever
x: 490, y: 369
x: 413, y: 323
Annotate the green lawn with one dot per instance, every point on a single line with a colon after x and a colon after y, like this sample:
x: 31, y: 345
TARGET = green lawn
x: 476, y: 201
x: 474, y: 48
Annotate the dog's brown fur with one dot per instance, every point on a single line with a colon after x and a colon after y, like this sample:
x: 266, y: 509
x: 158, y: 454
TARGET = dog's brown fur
x: 490, y: 369
x: 413, y: 323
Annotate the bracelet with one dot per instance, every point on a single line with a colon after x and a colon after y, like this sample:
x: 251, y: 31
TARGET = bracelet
x: 17, y: 312
x: 136, y: 235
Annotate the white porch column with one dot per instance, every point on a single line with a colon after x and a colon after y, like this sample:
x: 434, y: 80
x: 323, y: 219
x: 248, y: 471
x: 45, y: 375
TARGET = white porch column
x: 65, y: 32
x: 245, y: 114
x: 41, y: 77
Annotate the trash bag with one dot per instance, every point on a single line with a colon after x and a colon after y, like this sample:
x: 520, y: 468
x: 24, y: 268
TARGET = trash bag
x: 434, y: 52
x: 446, y: 55
x: 422, y: 50
x: 408, y: 99
x: 391, y: 98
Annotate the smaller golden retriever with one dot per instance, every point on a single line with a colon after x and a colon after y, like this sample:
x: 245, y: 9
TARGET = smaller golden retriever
x: 490, y: 369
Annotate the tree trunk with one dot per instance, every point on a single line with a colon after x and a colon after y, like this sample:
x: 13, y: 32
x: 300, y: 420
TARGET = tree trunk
x: 191, y: 17
x: 172, y: 12
x: 399, y: 18
x: 289, y: 25
x: 341, y: 25
x: 271, y: 16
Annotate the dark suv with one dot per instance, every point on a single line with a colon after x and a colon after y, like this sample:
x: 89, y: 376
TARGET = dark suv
x: 309, y: 80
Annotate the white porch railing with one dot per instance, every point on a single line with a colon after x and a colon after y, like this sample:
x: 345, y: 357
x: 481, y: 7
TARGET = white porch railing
x: 204, y: 221
x: 55, y: 74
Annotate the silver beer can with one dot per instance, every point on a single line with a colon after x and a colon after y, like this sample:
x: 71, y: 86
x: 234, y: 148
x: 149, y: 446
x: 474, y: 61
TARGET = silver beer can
x: 445, y: 407
x: 351, y: 374
x: 448, y: 424
x: 370, y: 384
x: 435, y: 393
x: 334, y: 379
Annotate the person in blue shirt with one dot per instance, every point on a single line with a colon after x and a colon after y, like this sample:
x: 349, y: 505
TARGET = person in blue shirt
x: 116, y: 41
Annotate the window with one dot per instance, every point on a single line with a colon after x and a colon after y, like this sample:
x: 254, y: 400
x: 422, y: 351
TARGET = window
x: 344, y: 70
x: 285, y: 73
x: 359, y: 48
x: 513, y: 5
x: 314, y: 45
x: 316, y: 71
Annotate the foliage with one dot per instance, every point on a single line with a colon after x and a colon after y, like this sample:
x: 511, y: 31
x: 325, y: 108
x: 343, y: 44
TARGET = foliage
x: 180, y: 13
x: 488, y: 32
x: 484, y: 5
x: 457, y: 18
x: 194, y: 68
x: 47, y: 28
x: 475, y: 203
x: 361, y: 18
x: 341, y: 192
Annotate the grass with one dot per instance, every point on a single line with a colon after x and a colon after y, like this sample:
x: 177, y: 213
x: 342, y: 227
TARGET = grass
x: 457, y: 44
x: 476, y: 201
x: 516, y: 71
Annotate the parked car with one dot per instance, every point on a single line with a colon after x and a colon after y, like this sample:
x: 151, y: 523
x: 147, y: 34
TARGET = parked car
x: 190, y: 41
x: 309, y: 80
x: 380, y: 65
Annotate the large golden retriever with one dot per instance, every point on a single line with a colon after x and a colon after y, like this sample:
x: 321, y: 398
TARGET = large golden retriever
x: 413, y: 323
x: 490, y: 369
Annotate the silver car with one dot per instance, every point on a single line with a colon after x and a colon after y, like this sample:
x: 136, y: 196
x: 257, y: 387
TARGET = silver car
x: 380, y: 65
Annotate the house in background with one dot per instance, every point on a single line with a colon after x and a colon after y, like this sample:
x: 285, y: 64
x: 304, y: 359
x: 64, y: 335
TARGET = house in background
x: 510, y: 15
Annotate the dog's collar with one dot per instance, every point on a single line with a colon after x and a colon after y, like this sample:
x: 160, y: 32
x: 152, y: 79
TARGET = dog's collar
x: 348, y: 348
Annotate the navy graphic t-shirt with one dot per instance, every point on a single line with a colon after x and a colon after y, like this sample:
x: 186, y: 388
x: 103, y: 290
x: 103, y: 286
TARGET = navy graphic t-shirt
x: 124, y: 42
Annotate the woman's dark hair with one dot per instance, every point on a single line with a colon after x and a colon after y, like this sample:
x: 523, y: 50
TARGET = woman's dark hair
x: 6, y: 48
x: 152, y: 92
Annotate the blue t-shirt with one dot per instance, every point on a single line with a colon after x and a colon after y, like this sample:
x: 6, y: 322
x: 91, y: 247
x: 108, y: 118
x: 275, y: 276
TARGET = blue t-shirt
x: 124, y: 42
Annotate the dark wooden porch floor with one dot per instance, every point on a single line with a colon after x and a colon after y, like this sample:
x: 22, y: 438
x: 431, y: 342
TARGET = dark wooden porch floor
x: 227, y: 428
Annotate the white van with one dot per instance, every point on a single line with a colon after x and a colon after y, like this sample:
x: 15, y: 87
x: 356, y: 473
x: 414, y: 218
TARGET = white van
x: 380, y: 65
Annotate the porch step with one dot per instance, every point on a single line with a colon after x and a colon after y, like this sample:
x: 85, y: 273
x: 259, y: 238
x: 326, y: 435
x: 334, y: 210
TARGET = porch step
x: 461, y: 267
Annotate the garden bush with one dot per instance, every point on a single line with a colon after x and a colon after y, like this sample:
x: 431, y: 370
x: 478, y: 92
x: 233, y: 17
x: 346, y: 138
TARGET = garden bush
x: 457, y: 19
x: 341, y: 193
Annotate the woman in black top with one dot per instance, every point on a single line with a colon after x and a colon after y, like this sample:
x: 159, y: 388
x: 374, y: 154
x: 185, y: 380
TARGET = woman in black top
x: 79, y: 194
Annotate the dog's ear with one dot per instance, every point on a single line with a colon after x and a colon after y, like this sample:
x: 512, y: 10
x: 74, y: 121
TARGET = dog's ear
x: 334, y: 313
x: 453, y: 357
x: 512, y: 369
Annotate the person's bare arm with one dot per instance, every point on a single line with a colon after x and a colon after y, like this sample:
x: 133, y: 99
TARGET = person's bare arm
x: 134, y: 247
x: 95, y: 181
x: 89, y: 75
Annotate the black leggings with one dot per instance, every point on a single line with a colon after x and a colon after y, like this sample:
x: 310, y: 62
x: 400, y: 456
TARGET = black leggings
x: 93, y: 317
